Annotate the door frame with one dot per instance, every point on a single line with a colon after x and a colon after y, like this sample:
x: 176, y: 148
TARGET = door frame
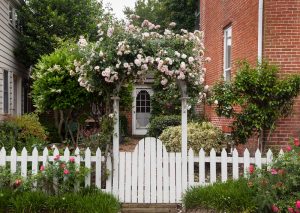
x: 136, y: 131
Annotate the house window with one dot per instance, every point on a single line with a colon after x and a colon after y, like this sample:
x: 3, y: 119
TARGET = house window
x: 5, y: 91
x: 11, y: 14
x: 227, y: 53
x: 143, y: 102
x: 13, y: 18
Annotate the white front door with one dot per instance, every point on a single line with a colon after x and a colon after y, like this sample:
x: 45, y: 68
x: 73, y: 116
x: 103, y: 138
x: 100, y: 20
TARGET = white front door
x: 141, y: 109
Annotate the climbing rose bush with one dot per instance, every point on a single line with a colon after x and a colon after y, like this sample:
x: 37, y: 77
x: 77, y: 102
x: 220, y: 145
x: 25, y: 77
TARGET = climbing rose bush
x: 125, y: 52
x: 278, y: 186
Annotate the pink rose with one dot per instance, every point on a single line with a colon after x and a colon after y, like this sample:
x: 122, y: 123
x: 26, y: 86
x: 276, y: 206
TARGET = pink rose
x: 288, y: 148
x: 72, y: 159
x: 57, y: 157
x: 251, y: 169
x: 66, y: 172
x: 275, y: 208
x: 62, y: 165
x: 290, y: 209
x: 298, y: 204
x: 296, y: 142
x: 42, y: 168
x: 274, y: 172
x: 18, y: 182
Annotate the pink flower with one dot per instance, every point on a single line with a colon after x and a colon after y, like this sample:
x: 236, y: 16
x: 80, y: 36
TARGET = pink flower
x: 290, y: 209
x: 57, y: 157
x: 66, y: 172
x: 288, y: 148
x: 62, y: 165
x: 18, y: 182
x: 42, y: 168
x: 72, y: 159
x: 275, y: 208
x: 274, y: 172
x: 298, y: 204
x: 251, y: 169
x: 296, y: 142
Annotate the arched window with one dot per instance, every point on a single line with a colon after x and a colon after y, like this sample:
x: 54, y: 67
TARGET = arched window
x: 143, y: 102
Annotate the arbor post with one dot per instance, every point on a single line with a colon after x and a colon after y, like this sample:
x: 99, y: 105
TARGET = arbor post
x: 116, y: 141
x: 184, y: 109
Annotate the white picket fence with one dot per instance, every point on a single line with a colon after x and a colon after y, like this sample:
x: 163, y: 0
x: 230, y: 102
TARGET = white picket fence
x: 149, y: 174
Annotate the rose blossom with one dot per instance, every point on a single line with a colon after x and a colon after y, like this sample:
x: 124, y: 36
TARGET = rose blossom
x: 66, y: 172
x: 18, y: 182
x: 274, y: 172
x: 42, y: 168
x: 251, y: 169
x: 110, y: 31
x: 290, y: 209
x: 57, y: 157
x: 298, y: 204
x: 289, y: 148
x: 72, y: 159
x: 296, y: 142
x: 275, y: 208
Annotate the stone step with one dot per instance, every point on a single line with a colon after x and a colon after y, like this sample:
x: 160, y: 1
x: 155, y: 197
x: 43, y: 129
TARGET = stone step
x: 150, y: 208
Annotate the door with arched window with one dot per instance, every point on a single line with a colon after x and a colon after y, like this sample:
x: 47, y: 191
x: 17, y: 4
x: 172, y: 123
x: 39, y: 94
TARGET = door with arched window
x: 141, y: 110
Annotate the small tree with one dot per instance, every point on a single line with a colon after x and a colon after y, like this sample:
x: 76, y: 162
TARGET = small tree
x: 255, y: 99
x: 44, y: 23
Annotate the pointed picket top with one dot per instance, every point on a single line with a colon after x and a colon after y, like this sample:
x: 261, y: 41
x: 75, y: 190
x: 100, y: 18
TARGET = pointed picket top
x: 202, y: 152
x: 281, y: 152
x: 212, y: 152
x: 223, y: 153
x: 258, y: 158
x: 246, y: 152
x: 56, y: 152
x: 246, y: 162
x: 24, y: 151
x: 13, y: 152
x: 45, y: 151
x: 67, y: 152
x: 77, y: 151
x: 35, y: 152
x: 235, y: 152
x: 269, y: 156
x: 3, y: 151
x: 87, y: 152
x: 98, y: 152
x: 3, y: 157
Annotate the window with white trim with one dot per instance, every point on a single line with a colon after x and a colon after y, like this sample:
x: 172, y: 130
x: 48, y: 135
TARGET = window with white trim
x: 13, y: 17
x: 5, y: 91
x: 227, y: 53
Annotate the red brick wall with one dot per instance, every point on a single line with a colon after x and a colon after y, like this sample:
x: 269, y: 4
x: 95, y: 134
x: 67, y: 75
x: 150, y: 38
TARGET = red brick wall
x: 242, y: 15
x: 282, y: 47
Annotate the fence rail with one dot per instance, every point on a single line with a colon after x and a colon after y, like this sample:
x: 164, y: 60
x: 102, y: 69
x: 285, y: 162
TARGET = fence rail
x: 149, y: 174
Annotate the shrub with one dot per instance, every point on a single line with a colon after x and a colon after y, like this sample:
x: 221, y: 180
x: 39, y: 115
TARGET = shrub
x: 23, y: 131
x: 200, y: 135
x: 277, y: 187
x: 231, y: 196
x: 159, y: 123
x: 88, y: 200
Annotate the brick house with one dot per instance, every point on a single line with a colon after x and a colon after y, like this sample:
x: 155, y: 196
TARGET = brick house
x: 253, y: 30
x: 13, y: 75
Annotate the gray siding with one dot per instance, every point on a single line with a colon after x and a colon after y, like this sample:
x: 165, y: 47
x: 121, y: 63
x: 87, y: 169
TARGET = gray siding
x: 8, y: 42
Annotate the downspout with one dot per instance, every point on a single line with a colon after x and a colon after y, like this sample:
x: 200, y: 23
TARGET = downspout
x: 260, y: 140
x: 260, y: 30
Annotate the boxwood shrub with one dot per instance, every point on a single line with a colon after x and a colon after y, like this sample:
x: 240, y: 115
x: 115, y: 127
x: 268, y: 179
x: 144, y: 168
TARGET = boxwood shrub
x: 231, y: 196
x: 159, y: 123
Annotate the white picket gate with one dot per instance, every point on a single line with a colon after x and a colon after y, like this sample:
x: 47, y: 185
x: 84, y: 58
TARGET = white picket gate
x: 149, y: 174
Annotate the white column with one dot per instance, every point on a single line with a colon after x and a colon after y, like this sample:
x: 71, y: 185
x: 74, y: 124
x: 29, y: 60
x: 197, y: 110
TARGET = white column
x: 184, y: 109
x: 116, y: 137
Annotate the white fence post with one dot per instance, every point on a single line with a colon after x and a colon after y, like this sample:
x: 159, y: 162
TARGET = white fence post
x: 246, y: 162
x: 235, y: 164
x: 184, y: 136
x: 191, y: 168
x: 201, y: 167
x: 98, y: 168
x: 87, y: 163
x: 116, y: 141
x: 13, y: 161
x: 258, y: 158
x: 213, y: 172
x: 224, y: 165
x: 3, y: 157
x: 24, y: 162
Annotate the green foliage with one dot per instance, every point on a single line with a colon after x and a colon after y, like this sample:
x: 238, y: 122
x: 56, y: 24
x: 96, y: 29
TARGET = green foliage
x: 23, y: 131
x: 87, y: 200
x: 279, y: 184
x: 45, y: 23
x: 256, y: 99
x: 159, y: 123
x: 166, y: 100
x: 53, y: 87
x: 200, y: 135
x: 164, y: 12
x: 61, y: 176
x: 231, y: 196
